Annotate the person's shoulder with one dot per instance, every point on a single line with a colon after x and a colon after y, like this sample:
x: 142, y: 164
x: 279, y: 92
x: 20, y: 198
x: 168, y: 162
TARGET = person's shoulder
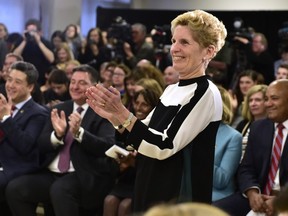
x: 232, y: 131
x: 261, y: 124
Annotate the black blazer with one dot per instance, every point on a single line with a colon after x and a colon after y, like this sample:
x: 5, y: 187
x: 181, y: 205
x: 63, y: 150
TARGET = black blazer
x: 95, y: 171
x: 18, y: 148
x: 254, y: 168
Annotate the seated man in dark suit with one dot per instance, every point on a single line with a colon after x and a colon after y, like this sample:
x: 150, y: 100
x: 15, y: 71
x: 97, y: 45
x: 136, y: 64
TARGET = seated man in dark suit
x: 19, y: 130
x: 88, y: 176
x: 262, y: 171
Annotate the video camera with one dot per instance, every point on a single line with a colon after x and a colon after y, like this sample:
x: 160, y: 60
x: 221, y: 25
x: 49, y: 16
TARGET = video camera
x: 161, y: 36
x: 118, y: 33
x: 240, y: 31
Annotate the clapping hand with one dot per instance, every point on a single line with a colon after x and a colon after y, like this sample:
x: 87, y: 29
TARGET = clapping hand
x: 59, y: 122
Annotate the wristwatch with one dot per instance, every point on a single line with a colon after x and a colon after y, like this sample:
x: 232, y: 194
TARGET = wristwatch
x: 126, y: 123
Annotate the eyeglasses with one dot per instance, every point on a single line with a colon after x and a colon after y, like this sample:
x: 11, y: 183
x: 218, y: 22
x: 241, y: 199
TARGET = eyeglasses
x: 118, y: 74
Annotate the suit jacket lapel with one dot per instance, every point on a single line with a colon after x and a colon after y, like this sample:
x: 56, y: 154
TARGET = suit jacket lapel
x: 86, y: 121
x: 27, y: 106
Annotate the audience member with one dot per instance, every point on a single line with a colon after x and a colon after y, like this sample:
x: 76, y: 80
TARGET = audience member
x: 140, y: 49
x: 171, y: 76
x: 57, y: 38
x: 143, y: 63
x: 107, y: 73
x: 21, y: 121
x: 46, y: 85
x: 258, y: 56
x: 70, y: 65
x: 253, y: 109
x: 149, y: 71
x: 59, y: 88
x: 118, y: 76
x: 35, y: 49
x: 283, y: 58
x: 3, y: 43
x: 148, y: 83
x: 282, y: 72
x: 246, y: 80
x: 63, y: 54
x: 73, y: 39
x: 263, y: 171
x: 127, y: 98
x: 94, y: 52
x: 86, y: 179
x: 119, y: 200
x: 227, y: 152
x: 169, y: 145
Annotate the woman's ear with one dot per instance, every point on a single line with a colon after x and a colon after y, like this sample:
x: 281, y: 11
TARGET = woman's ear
x: 211, y: 52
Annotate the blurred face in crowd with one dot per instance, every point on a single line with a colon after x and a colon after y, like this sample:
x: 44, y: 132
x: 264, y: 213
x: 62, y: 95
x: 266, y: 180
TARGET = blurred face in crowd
x: 62, y: 55
x: 138, y: 36
x: 171, y: 76
x: 118, y: 76
x: 69, y: 70
x: 70, y: 32
x: 130, y: 87
x: 59, y: 89
x: 245, y: 83
x: 282, y: 73
x: 257, y: 105
x: 94, y: 36
x: 276, y: 101
x: 57, y: 42
x: 257, y: 45
x: 106, y: 75
x: 9, y: 60
x: 17, y: 87
x: 3, y: 32
x: 79, y: 83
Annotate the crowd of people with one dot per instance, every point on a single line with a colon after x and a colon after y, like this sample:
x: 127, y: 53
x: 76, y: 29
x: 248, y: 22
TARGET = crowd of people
x: 198, y: 130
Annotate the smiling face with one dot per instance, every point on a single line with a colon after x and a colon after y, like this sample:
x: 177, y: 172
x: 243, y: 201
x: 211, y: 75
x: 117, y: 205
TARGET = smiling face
x: 187, y: 54
x: 17, y: 87
x: 276, y: 101
x: 80, y: 82
x: 141, y: 107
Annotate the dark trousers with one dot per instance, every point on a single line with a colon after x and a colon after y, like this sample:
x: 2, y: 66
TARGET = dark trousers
x: 60, y: 191
x: 234, y: 205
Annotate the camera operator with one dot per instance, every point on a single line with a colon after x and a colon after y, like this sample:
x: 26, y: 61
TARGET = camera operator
x: 140, y: 48
x: 35, y: 49
x: 258, y: 56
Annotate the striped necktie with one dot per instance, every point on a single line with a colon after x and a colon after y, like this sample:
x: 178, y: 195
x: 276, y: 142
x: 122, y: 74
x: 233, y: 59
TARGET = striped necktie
x: 276, y: 155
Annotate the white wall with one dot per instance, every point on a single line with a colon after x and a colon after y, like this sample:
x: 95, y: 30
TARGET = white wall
x: 64, y: 12
x: 211, y: 5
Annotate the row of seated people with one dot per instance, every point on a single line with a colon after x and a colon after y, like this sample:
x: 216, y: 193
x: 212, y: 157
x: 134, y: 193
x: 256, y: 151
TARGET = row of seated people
x: 88, y: 130
x: 255, y: 94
